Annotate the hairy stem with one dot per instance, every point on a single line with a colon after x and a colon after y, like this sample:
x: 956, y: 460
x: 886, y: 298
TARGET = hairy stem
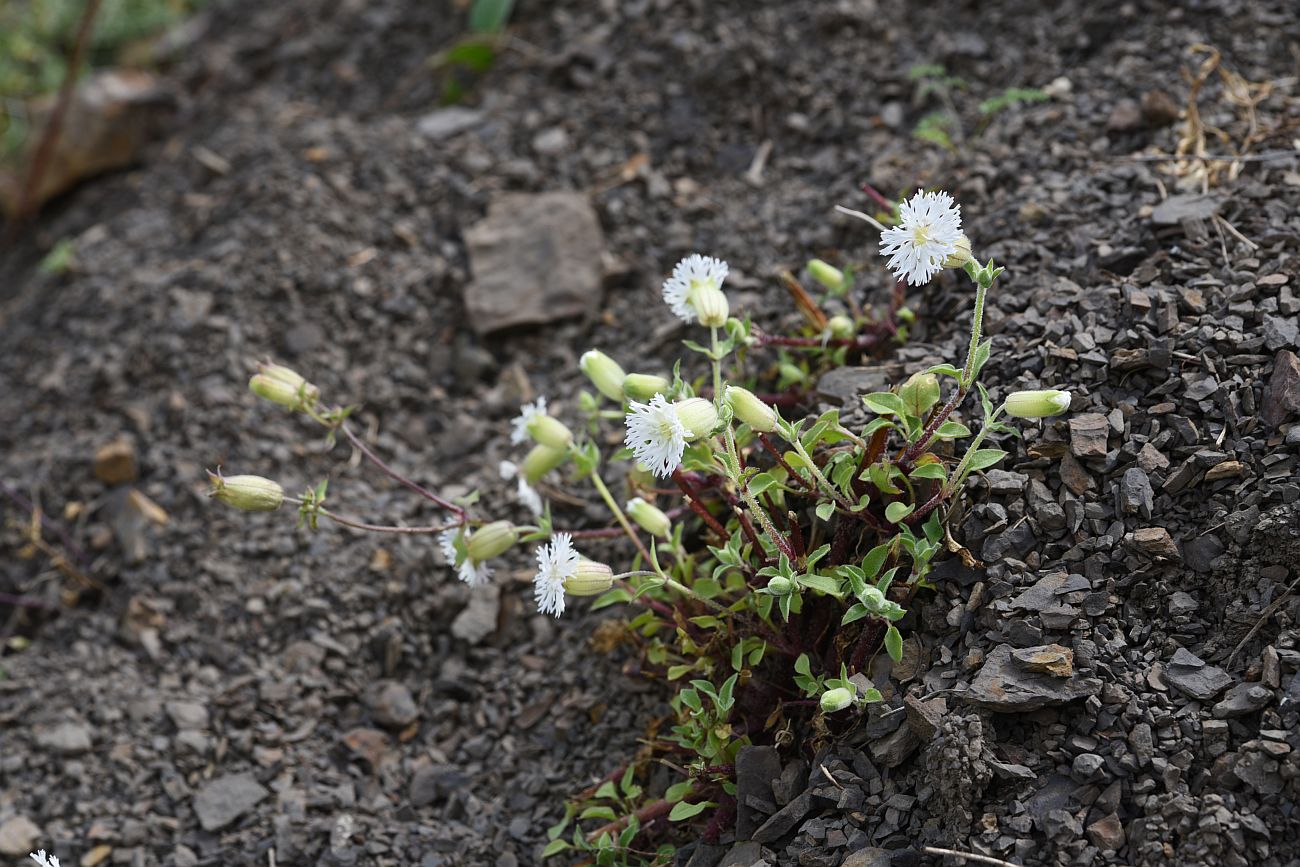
x: 359, y: 445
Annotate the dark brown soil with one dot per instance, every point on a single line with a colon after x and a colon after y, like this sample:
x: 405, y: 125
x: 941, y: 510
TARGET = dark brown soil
x: 221, y: 645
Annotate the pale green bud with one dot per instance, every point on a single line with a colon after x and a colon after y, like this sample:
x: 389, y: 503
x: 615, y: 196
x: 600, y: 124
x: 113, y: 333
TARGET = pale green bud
x: 1037, y: 404
x: 780, y: 586
x: 589, y: 579
x: 710, y: 304
x: 750, y: 410
x: 826, y: 274
x: 643, y: 386
x: 283, y: 386
x: 841, y: 326
x: 920, y: 393
x: 250, y: 493
x: 698, y: 416
x: 284, y: 374
x: 549, y: 431
x: 540, y: 461
x: 836, y: 699
x: 604, y: 373
x: 961, y: 255
x: 649, y: 517
x: 491, y: 540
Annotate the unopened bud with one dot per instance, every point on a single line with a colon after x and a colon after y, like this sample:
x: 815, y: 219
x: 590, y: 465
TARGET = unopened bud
x: 836, y: 699
x: 959, y: 257
x: 604, y: 373
x: 710, y: 304
x: 540, y: 461
x: 920, y: 393
x: 281, y: 385
x: 826, y: 274
x: 643, y: 386
x: 649, y: 517
x: 749, y: 409
x: 780, y: 586
x: 589, y: 579
x: 841, y: 326
x: 250, y: 493
x: 698, y: 416
x: 549, y: 431
x: 1037, y: 404
x: 491, y: 540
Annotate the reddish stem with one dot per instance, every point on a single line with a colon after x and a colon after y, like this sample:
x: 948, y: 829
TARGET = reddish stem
x: 645, y: 815
x: 916, y: 449
x: 360, y: 446
x: 697, y: 507
x: 780, y: 459
x: 878, y: 198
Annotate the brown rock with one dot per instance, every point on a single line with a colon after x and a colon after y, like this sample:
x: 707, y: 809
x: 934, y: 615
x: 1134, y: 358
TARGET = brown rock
x: 1088, y: 432
x: 1282, y: 396
x: 1107, y: 833
x: 1004, y: 685
x: 111, y: 117
x: 1156, y: 542
x: 1050, y: 659
x: 536, y: 258
x: 368, y: 744
x: 1225, y: 470
x: 115, y: 463
x: 1073, y: 475
x: 925, y: 716
x: 1159, y: 109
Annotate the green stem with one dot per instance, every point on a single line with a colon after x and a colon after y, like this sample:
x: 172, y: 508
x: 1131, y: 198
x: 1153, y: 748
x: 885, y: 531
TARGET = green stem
x: 717, y: 366
x: 977, y: 325
x: 732, y: 465
x: 621, y: 518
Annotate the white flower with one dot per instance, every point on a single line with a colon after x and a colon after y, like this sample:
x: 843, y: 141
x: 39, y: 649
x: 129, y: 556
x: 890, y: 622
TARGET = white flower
x: 689, y: 275
x: 556, y: 562
x: 527, y: 493
x: 43, y: 859
x: 527, y: 413
x: 656, y: 435
x: 928, y: 231
x: 470, y: 572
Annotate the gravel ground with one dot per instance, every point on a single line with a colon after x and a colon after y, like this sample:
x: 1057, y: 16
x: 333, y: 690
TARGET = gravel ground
x: 1120, y: 683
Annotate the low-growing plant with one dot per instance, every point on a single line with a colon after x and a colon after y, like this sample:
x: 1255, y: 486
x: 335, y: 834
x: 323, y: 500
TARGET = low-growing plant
x: 768, y: 559
x: 475, y: 53
x: 932, y: 82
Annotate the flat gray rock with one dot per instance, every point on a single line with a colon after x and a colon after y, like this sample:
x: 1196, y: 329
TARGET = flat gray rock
x: 447, y: 122
x: 1192, y: 677
x: 536, y: 258
x: 225, y: 799
x: 1007, y: 685
x: 1175, y: 209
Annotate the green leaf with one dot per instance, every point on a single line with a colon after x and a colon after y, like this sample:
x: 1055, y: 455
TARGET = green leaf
x: 477, y: 55
x: 897, y: 511
x: 489, y: 16
x: 946, y: 370
x: 952, y: 430
x: 803, y: 666
x: 885, y: 403
x: 607, y: 790
x: 611, y: 597
x: 874, y: 560
x: 932, y: 470
x: 683, y: 810
x: 894, y: 643
x: 825, y: 510
x: 677, y: 671
x: 555, y: 847
x: 983, y: 458
x: 872, y: 695
x: 677, y: 791
x: 606, y: 813
x: 856, y: 612
x: 761, y: 483
x: 824, y: 583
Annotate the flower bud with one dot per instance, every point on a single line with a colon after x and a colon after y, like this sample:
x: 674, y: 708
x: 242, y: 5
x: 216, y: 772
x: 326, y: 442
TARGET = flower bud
x: 836, y: 699
x: 826, y: 274
x: 1037, y: 404
x: 604, y: 373
x: 283, y: 374
x: 549, y: 431
x: 491, y: 540
x: 250, y: 493
x: 540, y: 461
x: 749, y: 409
x: 959, y: 257
x: 698, y: 416
x: 649, y: 517
x: 589, y: 579
x: 283, y: 386
x: 710, y: 304
x: 780, y: 586
x: 841, y: 326
x: 643, y: 386
x: 920, y: 393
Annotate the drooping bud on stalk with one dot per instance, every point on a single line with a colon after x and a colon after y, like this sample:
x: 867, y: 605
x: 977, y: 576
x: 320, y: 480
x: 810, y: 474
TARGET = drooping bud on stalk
x: 710, y: 304
x: 841, y: 326
x: 643, y: 386
x: 491, y: 540
x: 589, y: 579
x: 750, y: 410
x: 604, y: 373
x: 283, y: 386
x: 826, y: 274
x: 780, y: 586
x: 549, y: 431
x: 836, y: 699
x: 1037, y: 404
x: 649, y: 517
x: 250, y: 493
x: 961, y: 255
x: 540, y: 461
x: 698, y: 416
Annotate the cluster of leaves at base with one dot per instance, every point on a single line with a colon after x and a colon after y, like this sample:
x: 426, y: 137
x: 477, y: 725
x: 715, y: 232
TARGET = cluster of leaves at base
x: 475, y: 53
x: 934, y: 83
x: 611, y: 848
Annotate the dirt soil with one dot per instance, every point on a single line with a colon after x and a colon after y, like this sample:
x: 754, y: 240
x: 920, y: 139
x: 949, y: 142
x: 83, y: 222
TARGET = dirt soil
x: 223, y: 689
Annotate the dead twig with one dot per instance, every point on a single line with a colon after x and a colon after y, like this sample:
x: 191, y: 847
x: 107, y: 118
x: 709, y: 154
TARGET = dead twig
x: 969, y: 856
x: 1264, y: 617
